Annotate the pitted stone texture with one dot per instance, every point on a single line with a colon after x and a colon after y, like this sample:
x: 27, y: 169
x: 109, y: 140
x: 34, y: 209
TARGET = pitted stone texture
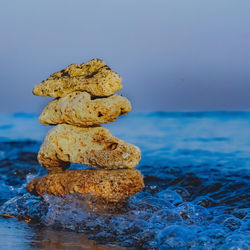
x: 112, y: 185
x: 78, y: 109
x: 94, y: 77
x: 92, y: 146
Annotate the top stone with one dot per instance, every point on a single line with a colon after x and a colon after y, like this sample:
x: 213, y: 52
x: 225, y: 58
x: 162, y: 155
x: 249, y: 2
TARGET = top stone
x: 94, y: 77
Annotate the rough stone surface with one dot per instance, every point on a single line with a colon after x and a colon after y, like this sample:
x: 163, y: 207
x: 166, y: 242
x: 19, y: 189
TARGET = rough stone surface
x: 94, y: 77
x: 112, y: 185
x: 92, y: 146
x: 79, y: 109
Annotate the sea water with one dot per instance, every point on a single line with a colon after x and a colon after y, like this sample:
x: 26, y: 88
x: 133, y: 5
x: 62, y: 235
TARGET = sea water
x: 196, y: 169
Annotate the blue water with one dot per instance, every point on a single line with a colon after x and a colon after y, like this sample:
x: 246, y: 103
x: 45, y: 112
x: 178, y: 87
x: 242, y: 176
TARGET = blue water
x: 196, y: 169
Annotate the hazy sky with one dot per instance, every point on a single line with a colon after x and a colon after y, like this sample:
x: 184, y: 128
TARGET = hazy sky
x: 172, y: 55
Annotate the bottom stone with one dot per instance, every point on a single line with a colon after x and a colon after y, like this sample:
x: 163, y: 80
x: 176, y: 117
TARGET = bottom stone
x: 112, y: 185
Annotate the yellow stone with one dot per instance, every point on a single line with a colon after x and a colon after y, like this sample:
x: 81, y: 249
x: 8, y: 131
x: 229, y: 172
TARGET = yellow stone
x: 94, y: 77
x: 79, y: 109
x: 92, y: 146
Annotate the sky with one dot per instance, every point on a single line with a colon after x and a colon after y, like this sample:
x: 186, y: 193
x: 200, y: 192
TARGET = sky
x: 188, y: 55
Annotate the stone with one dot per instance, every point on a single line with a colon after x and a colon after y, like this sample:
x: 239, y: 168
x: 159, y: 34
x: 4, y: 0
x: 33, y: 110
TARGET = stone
x: 79, y: 109
x: 111, y: 185
x: 92, y: 146
x: 94, y: 77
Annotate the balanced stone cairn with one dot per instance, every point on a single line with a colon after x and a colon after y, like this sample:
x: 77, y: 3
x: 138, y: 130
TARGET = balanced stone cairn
x: 84, y: 100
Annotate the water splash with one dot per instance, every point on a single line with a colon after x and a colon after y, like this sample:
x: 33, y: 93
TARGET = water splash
x: 196, y: 171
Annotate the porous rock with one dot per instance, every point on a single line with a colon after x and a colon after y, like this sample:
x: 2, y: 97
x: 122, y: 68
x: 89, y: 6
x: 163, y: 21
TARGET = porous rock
x: 79, y: 109
x: 112, y: 185
x: 92, y: 146
x: 94, y: 77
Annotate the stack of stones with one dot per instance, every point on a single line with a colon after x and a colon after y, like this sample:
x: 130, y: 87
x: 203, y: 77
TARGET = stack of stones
x: 84, y: 100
